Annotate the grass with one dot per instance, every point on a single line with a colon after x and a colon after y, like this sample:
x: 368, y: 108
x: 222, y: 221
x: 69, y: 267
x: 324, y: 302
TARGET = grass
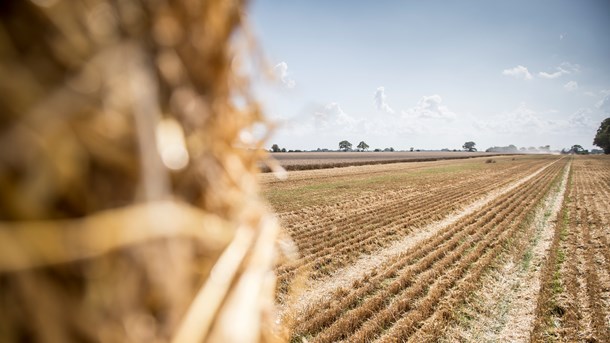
x: 556, y: 284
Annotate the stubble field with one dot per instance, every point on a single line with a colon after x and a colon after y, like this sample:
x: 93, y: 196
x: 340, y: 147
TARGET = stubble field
x: 322, y: 160
x: 514, y: 249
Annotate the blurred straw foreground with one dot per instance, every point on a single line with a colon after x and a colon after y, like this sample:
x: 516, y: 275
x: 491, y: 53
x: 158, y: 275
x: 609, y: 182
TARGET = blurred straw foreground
x: 129, y: 207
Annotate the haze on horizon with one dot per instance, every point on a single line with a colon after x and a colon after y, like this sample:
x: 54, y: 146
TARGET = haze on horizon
x: 434, y: 74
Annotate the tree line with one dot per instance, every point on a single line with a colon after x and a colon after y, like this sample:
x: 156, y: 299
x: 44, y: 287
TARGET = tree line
x: 602, y: 140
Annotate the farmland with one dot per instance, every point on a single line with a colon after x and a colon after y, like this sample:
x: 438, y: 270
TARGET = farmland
x: 510, y: 248
x: 320, y: 160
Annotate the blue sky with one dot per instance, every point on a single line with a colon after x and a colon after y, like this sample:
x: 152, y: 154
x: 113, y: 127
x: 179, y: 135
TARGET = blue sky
x: 434, y: 74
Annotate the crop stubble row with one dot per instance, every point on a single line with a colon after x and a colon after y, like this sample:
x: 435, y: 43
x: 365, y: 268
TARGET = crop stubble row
x: 333, y: 238
x: 412, y: 287
x: 574, y: 304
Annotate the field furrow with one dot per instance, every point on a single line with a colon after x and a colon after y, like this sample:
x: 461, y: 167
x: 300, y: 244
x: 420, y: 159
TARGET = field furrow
x: 348, y: 232
x: 574, y: 304
x: 392, y: 306
x: 502, y: 308
x: 398, y: 260
x: 515, y: 249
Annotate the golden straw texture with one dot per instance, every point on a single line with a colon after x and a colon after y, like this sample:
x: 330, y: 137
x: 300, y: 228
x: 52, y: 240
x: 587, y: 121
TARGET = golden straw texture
x: 129, y: 206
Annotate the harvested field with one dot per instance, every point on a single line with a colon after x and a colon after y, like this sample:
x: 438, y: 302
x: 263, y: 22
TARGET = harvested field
x: 574, y: 305
x: 415, y: 251
x: 323, y: 160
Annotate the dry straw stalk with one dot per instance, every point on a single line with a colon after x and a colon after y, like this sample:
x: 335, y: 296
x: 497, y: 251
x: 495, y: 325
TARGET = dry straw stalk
x: 129, y: 206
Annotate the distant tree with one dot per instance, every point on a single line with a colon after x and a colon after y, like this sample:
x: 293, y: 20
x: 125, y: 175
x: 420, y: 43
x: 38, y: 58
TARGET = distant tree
x: 411, y: 149
x: 275, y: 148
x: 578, y: 149
x: 283, y: 149
x: 345, y: 145
x: 363, y: 146
x: 469, y: 146
x: 602, y: 138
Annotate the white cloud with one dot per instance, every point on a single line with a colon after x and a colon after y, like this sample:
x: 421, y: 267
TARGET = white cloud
x: 520, y: 120
x: 519, y: 72
x: 604, y: 104
x: 380, y: 101
x: 563, y: 69
x: 281, y: 69
x: 553, y: 75
x: 429, y: 107
x: 568, y: 67
x: 332, y: 116
x: 526, y: 121
x: 571, y: 86
x: 581, y: 119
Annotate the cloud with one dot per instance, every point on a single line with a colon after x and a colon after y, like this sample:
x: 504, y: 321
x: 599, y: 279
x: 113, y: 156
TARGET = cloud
x: 519, y: 72
x: 581, y: 119
x: 571, y: 86
x: 281, y: 69
x: 380, y: 101
x: 526, y: 121
x: 554, y: 75
x: 604, y: 104
x: 429, y: 107
x: 520, y: 120
x: 332, y: 116
x: 568, y: 67
x: 563, y: 69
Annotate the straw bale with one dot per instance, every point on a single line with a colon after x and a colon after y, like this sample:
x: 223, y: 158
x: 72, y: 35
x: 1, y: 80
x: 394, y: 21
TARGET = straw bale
x: 129, y: 206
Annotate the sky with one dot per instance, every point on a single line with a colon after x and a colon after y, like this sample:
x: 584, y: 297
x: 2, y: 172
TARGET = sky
x: 434, y: 74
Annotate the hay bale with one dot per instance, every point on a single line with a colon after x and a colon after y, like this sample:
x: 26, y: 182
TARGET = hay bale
x: 129, y: 202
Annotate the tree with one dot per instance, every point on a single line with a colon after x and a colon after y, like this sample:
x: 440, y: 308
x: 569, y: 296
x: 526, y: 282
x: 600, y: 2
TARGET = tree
x: 345, y: 145
x: 578, y: 150
x: 362, y: 146
x: 602, y: 138
x: 275, y: 148
x: 546, y: 148
x: 469, y: 146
